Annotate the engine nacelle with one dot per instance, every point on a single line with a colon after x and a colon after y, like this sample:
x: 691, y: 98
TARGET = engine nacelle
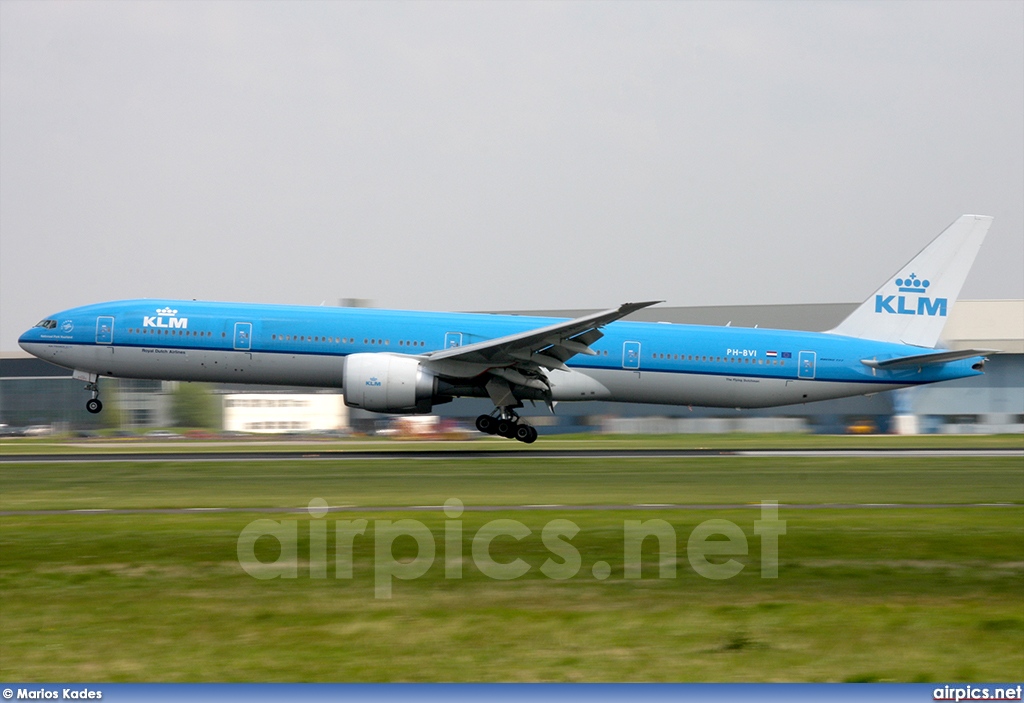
x: 387, y: 383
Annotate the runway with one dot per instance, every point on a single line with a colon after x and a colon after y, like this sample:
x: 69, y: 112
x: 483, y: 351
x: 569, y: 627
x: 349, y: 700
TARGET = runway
x: 478, y: 454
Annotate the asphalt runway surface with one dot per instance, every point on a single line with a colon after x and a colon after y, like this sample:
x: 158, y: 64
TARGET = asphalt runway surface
x: 477, y: 454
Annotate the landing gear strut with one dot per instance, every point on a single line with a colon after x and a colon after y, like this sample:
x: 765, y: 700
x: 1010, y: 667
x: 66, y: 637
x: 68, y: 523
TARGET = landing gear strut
x: 507, y: 424
x: 93, y: 405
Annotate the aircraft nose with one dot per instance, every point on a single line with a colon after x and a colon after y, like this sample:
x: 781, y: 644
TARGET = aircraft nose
x: 31, y: 336
x: 24, y: 340
x: 27, y: 337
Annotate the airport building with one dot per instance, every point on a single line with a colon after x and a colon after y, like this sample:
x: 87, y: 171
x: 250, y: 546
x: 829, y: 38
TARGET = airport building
x: 34, y: 392
x: 268, y: 413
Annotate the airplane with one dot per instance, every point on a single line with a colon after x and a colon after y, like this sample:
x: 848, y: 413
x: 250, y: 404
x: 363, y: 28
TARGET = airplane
x: 399, y: 361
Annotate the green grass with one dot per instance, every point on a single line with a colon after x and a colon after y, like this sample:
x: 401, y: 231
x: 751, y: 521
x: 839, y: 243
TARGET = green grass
x: 514, y: 480
x: 730, y: 441
x: 907, y: 594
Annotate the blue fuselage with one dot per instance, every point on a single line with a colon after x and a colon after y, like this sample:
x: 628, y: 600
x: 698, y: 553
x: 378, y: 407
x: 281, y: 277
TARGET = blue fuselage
x: 634, y: 361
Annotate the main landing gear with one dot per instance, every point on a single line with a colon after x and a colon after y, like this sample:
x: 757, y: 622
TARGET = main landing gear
x: 507, y: 425
x: 93, y: 405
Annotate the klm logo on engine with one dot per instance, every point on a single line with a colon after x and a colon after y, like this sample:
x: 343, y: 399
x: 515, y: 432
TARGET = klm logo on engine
x: 165, y: 317
x: 374, y: 381
x: 916, y: 303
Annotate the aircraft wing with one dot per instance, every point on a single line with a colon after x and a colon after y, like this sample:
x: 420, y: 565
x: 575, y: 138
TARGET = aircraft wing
x: 522, y: 358
x: 939, y: 357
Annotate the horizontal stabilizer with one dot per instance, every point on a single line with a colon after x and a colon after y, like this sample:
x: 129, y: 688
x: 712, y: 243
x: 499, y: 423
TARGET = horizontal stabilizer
x: 940, y: 357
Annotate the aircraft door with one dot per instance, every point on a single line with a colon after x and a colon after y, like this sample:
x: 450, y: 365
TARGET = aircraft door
x: 104, y: 329
x: 631, y: 355
x: 243, y: 336
x: 805, y: 365
x: 452, y: 340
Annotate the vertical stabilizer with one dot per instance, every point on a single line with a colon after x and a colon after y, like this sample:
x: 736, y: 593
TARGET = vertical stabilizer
x: 913, y: 306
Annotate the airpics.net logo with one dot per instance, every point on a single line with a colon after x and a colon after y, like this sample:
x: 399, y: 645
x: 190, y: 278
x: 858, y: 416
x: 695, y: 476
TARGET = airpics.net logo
x: 911, y: 299
x: 165, y: 318
x: 712, y: 548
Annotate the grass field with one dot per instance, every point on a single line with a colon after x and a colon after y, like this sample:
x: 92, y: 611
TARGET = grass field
x: 900, y: 594
x: 733, y: 441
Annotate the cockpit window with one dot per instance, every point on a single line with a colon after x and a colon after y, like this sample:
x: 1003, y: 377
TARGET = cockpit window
x: 48, y: 324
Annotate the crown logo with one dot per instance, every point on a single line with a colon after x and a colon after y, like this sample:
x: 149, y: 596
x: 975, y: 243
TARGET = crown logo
x: 166, y: 311
x: 913, y: 284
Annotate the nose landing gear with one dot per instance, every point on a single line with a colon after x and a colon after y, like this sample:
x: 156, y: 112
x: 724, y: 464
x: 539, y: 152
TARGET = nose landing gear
x: 93, y: 405
x: 507, y: 425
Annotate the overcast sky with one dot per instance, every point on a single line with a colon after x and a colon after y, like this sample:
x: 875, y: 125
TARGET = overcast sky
x: 472, y: 156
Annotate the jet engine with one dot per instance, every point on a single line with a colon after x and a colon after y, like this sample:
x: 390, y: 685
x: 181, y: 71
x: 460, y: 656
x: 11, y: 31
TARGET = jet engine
x: 388, y: 383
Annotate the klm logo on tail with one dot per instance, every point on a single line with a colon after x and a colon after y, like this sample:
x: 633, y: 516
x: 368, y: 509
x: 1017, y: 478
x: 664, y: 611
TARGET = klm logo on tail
x: 900, y: 304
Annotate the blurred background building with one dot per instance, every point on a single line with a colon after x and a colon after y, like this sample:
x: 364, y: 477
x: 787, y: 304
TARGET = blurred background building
x: 34, y: 392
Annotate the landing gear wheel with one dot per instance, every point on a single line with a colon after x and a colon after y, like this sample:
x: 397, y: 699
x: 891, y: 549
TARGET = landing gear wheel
x: 506, y: 428
x: 93, y: 405
x: 526, y: 434
x: 486, y: 424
